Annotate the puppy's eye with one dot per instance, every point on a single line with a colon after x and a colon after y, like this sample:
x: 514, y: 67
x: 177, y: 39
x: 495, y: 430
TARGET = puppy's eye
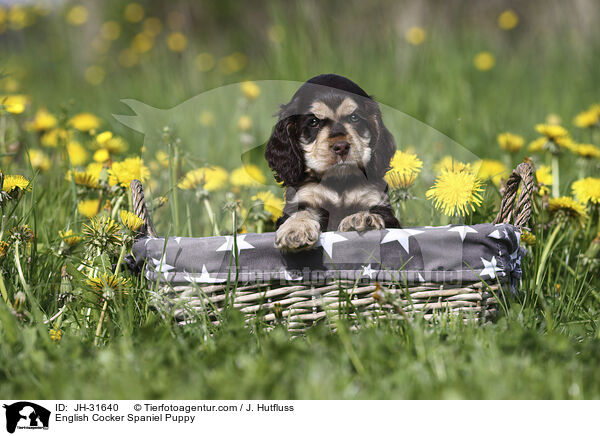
x: 354, y: 118
x: 313, y: 122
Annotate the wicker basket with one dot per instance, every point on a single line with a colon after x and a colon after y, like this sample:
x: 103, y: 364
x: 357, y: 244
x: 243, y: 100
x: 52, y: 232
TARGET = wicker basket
x: 300, y: 305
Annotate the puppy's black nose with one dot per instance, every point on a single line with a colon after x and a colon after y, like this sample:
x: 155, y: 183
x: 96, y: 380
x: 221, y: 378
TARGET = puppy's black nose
x: 341, y: 148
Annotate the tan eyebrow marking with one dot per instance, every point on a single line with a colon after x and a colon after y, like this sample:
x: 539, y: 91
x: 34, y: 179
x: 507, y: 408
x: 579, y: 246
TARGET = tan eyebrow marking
x: 347, y: 107
x: 321, y: 110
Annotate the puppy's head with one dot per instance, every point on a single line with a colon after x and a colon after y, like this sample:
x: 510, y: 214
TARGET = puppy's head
x: 331, y: 127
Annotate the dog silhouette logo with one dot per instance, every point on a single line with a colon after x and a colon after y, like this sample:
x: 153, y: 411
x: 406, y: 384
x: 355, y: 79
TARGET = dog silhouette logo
x: 26, y: 415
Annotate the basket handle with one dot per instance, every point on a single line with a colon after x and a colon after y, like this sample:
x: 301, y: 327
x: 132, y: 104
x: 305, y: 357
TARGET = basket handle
x: 518, y: 212
x: 140, y: 209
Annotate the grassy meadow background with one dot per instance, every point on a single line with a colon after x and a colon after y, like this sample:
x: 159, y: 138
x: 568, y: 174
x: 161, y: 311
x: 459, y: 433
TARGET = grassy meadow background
x: 451, y: 77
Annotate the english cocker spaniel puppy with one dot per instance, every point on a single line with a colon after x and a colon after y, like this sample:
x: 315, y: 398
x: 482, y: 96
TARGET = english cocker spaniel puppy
x: 330, y: 149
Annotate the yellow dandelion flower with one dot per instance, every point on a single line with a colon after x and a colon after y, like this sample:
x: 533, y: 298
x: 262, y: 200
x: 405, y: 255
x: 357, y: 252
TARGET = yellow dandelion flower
x: 89, y: 208
x: 176, y: 42
x: 94, y: 75
x: 404, y: 162
x: 42, y: 121
x: 543, y: 175
x: 84, y: 178
x: 20, y: 17
x: 245, y: 123
x: 95, y: 169
x: 77, y: 15
x: 142, y: 43
x: 484, y: 61
x: 162, y: 159
x: 396, y: 180
x: 568, y: 207
x: 54, y: 137
x: 271, y: 203
x: 85, y: 122
x: 11, y: 84
x: 565, y: 142
x: 55, y: 335
x: 78, y: 155
x: 508, y: 20
x: 587, y: 190
x: 415, y: 35
x: 551, y: 131
x: 124, y: 172
x: 209, y: 178
x: 588, y: 118
x: 108, y: 281
x: 553, y: 119
x: 152, y: 26
x: 588, y: 151
x: 110, y: 31
x: 39, y: 159
x: 250, y: 90
x: 404, y: 169
x: 456, y: 192
x: 491, y: 169
x: 510, y: 142
x: 131, y: 220
x: 14, y: 104
x: 528, y: 238
x: 115, y: 145
x: 207, y: 118
x: 448, y: 163
x: 134, y: 12
x: 104, y: 137
x: 204, y: 62
x: 537, y: 145
x: 233, y: 63
x: 70, y: 238
x: 101, y: 155
x: 13, y: 182
x: 247, y: 175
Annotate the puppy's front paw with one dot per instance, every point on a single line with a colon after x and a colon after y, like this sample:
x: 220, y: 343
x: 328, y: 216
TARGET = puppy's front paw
x: 297, y: 234
x: 361, y: 221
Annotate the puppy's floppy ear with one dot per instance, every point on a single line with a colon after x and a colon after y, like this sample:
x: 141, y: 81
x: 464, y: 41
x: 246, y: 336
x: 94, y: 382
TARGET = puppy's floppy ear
x: 283, y: 152
x: 384, y: 148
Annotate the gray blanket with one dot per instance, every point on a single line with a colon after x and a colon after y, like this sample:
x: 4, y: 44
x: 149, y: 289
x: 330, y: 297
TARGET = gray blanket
x: 448, y: 254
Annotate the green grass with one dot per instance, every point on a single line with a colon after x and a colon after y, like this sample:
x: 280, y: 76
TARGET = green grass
x: 545, y: 345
